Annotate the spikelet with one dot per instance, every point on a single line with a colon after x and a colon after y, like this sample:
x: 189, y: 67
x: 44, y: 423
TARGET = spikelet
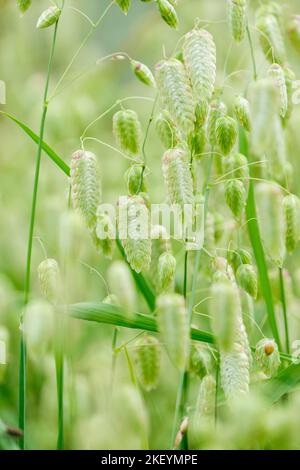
x: 143, y: 73
x: 124, y: 5
x: 121, y: 285
x: 49, y: 17
x: 235, y: 197
x: 24, y: 5
x: 237, y: 257
x: 222, y: 271
x: 247, y: 279
x: 134, y: 180
x: 168, y: 12
x: 85, y: 186
x: 294, y: 31
x: 200, y: 361
x: 201, y: 113
x: 267, y: 356
x: 271, y: 220
x: 234, y: 368
x: 176, y: 93
x: 237, y: 18
x: 278, y: 76
x: 50, y: 282
x: 173, y: 326
x: 218, y: 226
x: 271, y: 38
x: 183, y: 429
x: 104, y: 233
x: 147, y: 359
x: 217, y: 109
x: 166, y: 130
x: 166, y: 271
x: 203, y: 417
x: 223, y: 311
x: 160, y: 244
x: 291, y: 206
x: 226, y: 133
x: 136, y: 244
x: 290, y: 77
x: 236, y: 166
x: 242, y: 112
x: 177, y: 176
x: 199, y: 53
x: 127, y: 130
x: 197, y: 142
x: 276, y: 152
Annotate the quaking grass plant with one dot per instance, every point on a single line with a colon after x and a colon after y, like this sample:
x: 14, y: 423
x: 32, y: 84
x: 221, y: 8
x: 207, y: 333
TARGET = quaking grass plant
x: 228, y: 155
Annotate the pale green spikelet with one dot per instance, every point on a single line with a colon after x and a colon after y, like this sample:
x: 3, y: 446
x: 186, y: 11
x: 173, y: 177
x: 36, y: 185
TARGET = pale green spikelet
x: 177, y: 177
x: 166, y: 130
x: 85, y: 186
x: 121, y: 285
x: 242, y: 112
x: 197, y: 142
x: 294, y: 31
x: 226, y: 133
x: 173, y: 326
x: 218, y: 226
x: 277, y: 152
x: 247, y: 279
x: 176, y: 93
x: 235, y: 196
x: 201, y: 113
x: 127, y: 130
x: 206, y: 398
x: 49, y: 17
x: 200, y: 361
x: 234, y: 368
x: 143, y: 73
x: 136, y: 242
x: 166, y: 271
x: 291, y: 206
x: 267, y: 356
x: 271, y: 220
x: 168, y: 13
x: 50, y: 281
x: 277, y: 74
x: 23, y: 5
x: 147, y: 358
x: 222, y: 271
x: 135, y: 179
x: 271, y: 38
x: 104, y: 233
x: 160, y: 244
x: 223, y: 311
x: 124, y: 5
x: 236, y: 166
x: 290, y: 77
x: 237, y: 257
x: 203, y: 418
x: 217, y: 109
x: 199, y: 53
x: 237, y: 18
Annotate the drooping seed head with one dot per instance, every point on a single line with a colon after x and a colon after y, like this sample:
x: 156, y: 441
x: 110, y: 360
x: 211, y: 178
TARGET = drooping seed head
x: 143, y: 73
x: 105, y: 233
x: 135, y: 179
x: 247, y: 304
x: 291, y: 206
x: 277, y: 75
x: 147, y: 354
x: 173, y: 326
x: 294, y: 31
x: 176, y: 94
x: 290, y: 77
x: 236, y: 166
x: 85, y: 186
x: 237, y: 18
x: 177, y: 177
x: 242, y: 112
x: 168, y: 13
x: 166, y: 271
x: 235, y: 196
x: 217, y: 109
x: 271, y: 38
x: 49, y: 17
x: 247, y: 279
x: 201, y: 113
x: 197, y: 142
x: 200, y: 361
x: 128, y: 131
x: 166, y: 130
x: 199, y: 53
x: 237, y: 257
x: 121, y: 285
x: 226, y: 133
x: 24, y: 5
x: 234, y: 371
x: 221, y: 270
x: 50, y: 281
x: 124, y: 5
x: 267, y: 356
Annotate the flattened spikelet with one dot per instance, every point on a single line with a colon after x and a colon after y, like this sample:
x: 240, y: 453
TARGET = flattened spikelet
x: 278, y: 76
x: 226, y: 133
x: 173, y: 326
x: 168, y: 12
x: 166, y: 271
x: 124, y: 5
x: 271, y: 38
x: 49, y: 277
x: 127, y: 130
x: 85, y: 185
x: 237, y: 18
x: 267, y: 356
x: 49, y: 17
x: 217, y: 109
x: 134, y: 180
x: 143, y: 73
x: 200, y: 361
x: 199, y: 53
x: 176, y: 94
x: 201, y: 112
x: 147, y: 359
x: 242, y: 112
x: 24, y: 5
x: 247, y: 279
x: 291, y: 206
x: 177, y: 177
x: 235, y: 196
x: 294, y: 31
x: 166, y: 130
x: 104, y: 233
x: 234, y: 368
x: 290, y: 77
x: 121, y: 286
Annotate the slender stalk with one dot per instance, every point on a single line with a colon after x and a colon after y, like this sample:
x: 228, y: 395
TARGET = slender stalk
x: 22, y: 365
x: 284, y: 311
x: 252, y: 53
x: 59, y: 364
x: 145, y: 140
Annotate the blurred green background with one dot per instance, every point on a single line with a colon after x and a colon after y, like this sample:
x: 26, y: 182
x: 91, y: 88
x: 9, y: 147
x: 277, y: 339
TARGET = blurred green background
x: 96, y: 417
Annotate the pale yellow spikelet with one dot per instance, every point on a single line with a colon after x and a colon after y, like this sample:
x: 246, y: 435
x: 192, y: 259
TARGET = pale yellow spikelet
x: 217, y: 109
x: 236, y: 166
x: 276, y: 152
x: 203, y: 417
x: 105, y: 233
x: 177, y: 176
x: 166, y: 271
x: 237, y: 18
x: 291, y: 206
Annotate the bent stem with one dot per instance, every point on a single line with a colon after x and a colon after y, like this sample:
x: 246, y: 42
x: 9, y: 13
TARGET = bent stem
x: 22, y: 365
x: 284, y: 311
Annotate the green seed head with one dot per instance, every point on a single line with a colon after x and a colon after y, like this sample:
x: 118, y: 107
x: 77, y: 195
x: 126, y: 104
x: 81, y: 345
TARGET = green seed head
x: 267, y: 356
x: 143, y: 73
x: 294, y: 31
x: 104, y: 234
x: 168, y: 13
x: 166, y: 130
x: 127, y: 130
x: 277, y: 74
x: 124, y: 5
x: 236, y: 166
x: 237, y: 18
x: 235, y: 196
x: 23, y: 5
x: 200, y: 361
x: 49, y: 17
x: 177, y: 177
x: 166, y: 271
x: 147, y: 358
x: 291, y: 206
x: 247, y: 279
x: 242, y: 112
x: 226, y: 133
x: 135, y: 179
x: 50, y: 282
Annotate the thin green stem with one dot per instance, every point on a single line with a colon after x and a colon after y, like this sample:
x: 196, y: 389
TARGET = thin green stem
x: 252, y: 53
x: 22, y: 367
x: 59, y: 364
x: 284, y: 311
x: 145, y: 141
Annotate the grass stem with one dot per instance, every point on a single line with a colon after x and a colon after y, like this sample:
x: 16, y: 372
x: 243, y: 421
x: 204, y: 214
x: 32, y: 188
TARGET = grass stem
x: 284, y: 311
